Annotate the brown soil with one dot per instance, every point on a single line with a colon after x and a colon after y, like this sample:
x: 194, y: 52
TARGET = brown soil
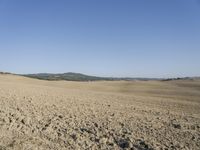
x: 139, y: 115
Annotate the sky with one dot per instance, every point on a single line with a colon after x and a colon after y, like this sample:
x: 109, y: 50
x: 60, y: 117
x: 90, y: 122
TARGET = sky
x: 118, y: 38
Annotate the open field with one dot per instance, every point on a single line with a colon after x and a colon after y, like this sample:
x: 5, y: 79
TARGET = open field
x: 36, y: 114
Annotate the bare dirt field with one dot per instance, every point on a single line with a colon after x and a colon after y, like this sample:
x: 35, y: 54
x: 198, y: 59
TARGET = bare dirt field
x: 59, y: 115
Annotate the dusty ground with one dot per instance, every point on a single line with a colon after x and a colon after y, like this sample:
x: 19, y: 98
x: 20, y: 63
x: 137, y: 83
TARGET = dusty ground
x: 60, y: 115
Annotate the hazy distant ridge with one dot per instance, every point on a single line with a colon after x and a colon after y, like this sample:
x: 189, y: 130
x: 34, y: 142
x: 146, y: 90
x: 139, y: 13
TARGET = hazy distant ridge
x: 65, y: 76
x: 70, y: 76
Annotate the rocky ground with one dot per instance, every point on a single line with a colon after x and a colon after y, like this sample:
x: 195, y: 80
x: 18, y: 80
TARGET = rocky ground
x: 138, y: 115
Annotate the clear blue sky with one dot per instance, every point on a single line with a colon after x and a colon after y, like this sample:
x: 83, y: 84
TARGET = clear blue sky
x: 136, y: 38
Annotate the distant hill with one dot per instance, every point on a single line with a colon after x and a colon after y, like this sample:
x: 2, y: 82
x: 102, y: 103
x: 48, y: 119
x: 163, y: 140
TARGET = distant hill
x: 66, y: 76
x: 70, y: 76
x: 4, y: 72
x: 184, y: 78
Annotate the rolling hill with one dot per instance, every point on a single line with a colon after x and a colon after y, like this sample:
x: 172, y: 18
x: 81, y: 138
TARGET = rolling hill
x: 70, y: 76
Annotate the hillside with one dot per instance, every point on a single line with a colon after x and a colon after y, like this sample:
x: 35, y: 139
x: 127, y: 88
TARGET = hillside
x: 70, y: 76
x: 141, y: 115
x: 66, y: 76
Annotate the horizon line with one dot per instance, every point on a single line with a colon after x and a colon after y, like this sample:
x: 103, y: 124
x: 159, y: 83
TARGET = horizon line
x: 136, y: 77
